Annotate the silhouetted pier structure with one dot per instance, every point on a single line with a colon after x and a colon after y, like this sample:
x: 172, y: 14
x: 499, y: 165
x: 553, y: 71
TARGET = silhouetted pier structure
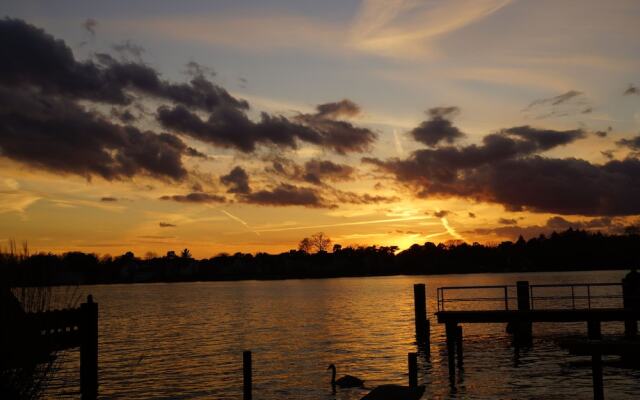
x: 596, y: 347
x: 50, y: 331
x: 530, y: 308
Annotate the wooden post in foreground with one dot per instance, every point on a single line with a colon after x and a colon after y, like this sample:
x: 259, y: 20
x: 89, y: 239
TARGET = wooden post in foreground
x: 451, y: 329
x: 89, y: 350
x: 630, y: 301
x: 459, y: 351
x: 413, y: 370
x: 523, y: 330
x: 420, y: 307
x: 246, y: 375
x: 593, y: 330
x: 596, y: 370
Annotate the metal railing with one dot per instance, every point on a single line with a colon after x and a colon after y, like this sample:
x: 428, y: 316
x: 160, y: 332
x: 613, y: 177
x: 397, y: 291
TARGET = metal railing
x: 586, y: 294
x: 502, y: 289
x: 579, y: 292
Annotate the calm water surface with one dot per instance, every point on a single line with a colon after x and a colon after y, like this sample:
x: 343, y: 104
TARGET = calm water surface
x: 185, y: 341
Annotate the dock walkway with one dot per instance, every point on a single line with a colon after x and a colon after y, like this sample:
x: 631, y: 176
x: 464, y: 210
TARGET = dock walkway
x: 592, y: 303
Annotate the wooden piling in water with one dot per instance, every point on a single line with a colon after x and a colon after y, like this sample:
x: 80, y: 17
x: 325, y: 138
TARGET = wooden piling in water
x: 596, y: 370
x: 594, y: 331
x: 451, y: 330
x: 413, y: 369
x: 246, y: 376
x: 423, y: 326
x: 459, y: 351
x: 630, y: 301
x: 523, y: 330
x: 89, y: 350
x: 524, y: 301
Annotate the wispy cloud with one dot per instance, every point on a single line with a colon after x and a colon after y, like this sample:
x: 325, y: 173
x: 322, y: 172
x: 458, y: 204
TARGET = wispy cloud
x: 407, y: 28
x: 15, y: 201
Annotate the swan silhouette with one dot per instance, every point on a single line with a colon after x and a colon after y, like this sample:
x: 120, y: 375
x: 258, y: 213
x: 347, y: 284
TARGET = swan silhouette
x: 395, y: 392
x: 346, y: 381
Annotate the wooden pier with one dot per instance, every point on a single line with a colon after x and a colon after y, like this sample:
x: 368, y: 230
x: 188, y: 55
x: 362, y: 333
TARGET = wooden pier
x: 50, y: 331
x: 528, y: 311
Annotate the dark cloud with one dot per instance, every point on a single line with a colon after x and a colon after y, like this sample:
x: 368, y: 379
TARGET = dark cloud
x: 315, y: 171
x: 556, y: 100
x: 356, y: 198
x: 128, y: 49
x: 237, y: 180
x: 195, y: 69
x: 603, y: 133
x: 571, y: 102
x: 560, y: 223
x: 443, y: 165
x: 39, y: 61
x: 507, y: 169
x: 230, y: 127
x: 195, y: 197
x: 90, y: 26
x: 59, y: 135
x: 108, y: 199
x: 608, y: 154
x: 631, y: 143
x: 507, y: 221
x: 52, y: 105
x: 441, y: 213
x: 125, y: 116
x: 166, y: 225
x: 318, y: 171
x: 287, y: 195
x: 49, y: 103
x: 338, y: 135
x: 538, y: 140
x: 342, y: 108
x: 632, y: 89
x: 556, y: 224
x: 438, y: 128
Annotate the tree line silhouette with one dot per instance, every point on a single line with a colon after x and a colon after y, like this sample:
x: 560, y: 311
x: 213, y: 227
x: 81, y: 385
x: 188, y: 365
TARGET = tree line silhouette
x: 564, y: 251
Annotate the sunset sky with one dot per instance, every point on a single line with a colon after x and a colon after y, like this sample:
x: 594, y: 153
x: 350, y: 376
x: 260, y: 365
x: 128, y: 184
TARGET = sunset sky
x: 227, y: 126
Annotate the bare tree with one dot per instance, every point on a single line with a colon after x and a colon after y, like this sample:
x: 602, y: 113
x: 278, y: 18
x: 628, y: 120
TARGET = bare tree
x: 305, y: 245
x: 320, y: 241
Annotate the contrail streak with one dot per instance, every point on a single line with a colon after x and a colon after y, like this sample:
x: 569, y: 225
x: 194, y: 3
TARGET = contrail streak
x: 435, y: 234
x: 450, y: 230
x: 378, y: 221
x: 233, y: 217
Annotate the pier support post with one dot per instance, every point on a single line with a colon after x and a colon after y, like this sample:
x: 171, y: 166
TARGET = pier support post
x: 89, y: 350
x: 459, y: 351
x: 413, y: 370
x: 630, y: 329
x: 451, y: 330
x: 630, y: 300
x: 423, y: 326
x: 246, y: 375
x: 593, y: 330
x: 523, y: 330
x: 596, y: 370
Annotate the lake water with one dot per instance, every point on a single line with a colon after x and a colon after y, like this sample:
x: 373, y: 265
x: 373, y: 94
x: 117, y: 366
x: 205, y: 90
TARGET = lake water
x: 185, y: 341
